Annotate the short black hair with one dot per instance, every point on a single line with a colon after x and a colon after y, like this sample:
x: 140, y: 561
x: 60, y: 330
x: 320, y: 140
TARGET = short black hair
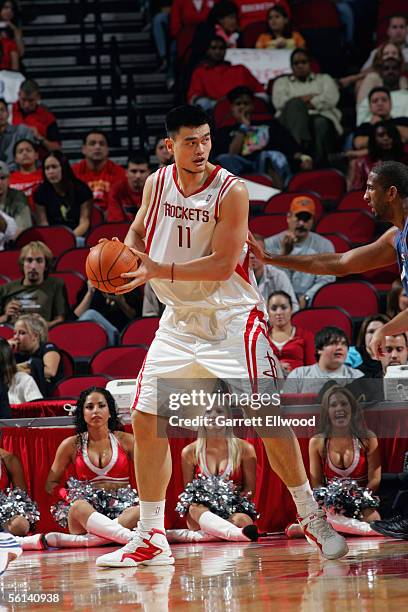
x: 282, y: 294
x: 327, y: 336
x: 79, y: 420
x: 222, y: 9
x: 186, y: 115
x: 397, y: 15
x: 95, y: 132
x: 216, y: 37
x: 392, y: 173
x: 378, y: 89
x: 24, y: 140
x: 299, y: 50
x: 138, y: 157
x: 241, y: 90
x: 2, y: 101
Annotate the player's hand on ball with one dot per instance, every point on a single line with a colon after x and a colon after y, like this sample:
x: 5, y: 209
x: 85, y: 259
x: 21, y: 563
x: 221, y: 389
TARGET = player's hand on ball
x: 147, y: 269
x: 377, y: 344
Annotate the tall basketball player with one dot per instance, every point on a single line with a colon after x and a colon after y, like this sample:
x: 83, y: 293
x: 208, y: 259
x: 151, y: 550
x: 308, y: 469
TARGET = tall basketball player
x: 190, y: 235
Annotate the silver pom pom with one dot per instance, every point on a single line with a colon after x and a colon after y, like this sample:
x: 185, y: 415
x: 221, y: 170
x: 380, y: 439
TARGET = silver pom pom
x: 16, y: 502
x: 344, y: 496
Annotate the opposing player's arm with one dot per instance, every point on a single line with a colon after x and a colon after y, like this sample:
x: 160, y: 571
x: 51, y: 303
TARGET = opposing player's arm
x: 63, y: 457
x: 368, y: 257
x: 228, y: 240
x: 136, y: 233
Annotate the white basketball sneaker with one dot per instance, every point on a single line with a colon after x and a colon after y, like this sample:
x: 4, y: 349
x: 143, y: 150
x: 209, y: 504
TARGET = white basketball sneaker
x: 319, y: 533
x: 9, y: 550
x: 145, y: 548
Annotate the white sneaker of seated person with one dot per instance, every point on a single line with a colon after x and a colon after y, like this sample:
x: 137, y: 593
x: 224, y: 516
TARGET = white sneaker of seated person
x: 9, y: 550
x: 319, y: 533
x: 145, y: 548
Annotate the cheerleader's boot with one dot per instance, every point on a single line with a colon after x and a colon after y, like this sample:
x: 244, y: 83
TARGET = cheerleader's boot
x: 217, y: 526
x: 104, y: 527
x: 32, y: 542
x: 175, y: 536
x: 70, y: 540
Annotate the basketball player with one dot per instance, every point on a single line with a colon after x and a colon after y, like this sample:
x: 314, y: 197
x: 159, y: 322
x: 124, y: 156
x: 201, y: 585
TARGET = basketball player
x: 387, y: 196
x: 190, y: 235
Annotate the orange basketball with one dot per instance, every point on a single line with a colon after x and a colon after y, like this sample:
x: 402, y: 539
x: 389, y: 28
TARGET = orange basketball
x: 106, y: 262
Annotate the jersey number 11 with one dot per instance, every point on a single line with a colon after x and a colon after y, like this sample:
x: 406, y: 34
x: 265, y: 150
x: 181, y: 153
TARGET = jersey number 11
x: 187, y: 238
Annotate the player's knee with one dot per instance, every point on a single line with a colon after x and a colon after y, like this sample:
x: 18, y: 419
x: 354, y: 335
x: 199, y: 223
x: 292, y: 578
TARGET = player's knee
x: 240, y: 520
x: 19, y: 526
x: 196, y: 510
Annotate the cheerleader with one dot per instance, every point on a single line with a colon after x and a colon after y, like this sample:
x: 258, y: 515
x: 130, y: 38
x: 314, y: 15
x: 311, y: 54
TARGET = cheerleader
x: 98, y: 506
x: 219, y: 474
x: 18, y: 513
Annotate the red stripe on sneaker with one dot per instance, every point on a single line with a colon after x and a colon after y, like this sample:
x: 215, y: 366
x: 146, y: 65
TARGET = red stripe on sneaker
x: 143, y: 553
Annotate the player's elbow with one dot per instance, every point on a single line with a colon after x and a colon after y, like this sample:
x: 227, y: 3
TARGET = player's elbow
x: 225, y: 271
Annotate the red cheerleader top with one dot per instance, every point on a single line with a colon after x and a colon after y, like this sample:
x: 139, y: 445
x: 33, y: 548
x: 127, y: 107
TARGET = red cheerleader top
x: 227, y: 474
x: 4, y: 477
x: 357, y: 470
x: 117, y: 470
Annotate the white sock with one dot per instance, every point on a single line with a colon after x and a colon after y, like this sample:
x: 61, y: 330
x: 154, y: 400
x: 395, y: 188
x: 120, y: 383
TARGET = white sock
x: 186, y: 535
x: 217, y: 526
x: 152, y: 515
x: 104, y: 527
x: 70, y: 540
x: 32, y: 542
x: 304, y: 500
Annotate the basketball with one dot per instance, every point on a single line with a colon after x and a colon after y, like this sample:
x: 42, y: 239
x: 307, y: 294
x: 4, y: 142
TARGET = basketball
x: 106, y: 262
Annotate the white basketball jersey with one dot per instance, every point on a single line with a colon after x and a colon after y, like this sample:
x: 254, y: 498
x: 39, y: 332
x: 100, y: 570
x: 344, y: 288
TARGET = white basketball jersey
x: 180, y: 229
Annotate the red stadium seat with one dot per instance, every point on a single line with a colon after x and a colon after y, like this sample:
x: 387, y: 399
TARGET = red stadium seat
x: 74, y: 283
x: 97, y: 216
x: 262, y: 179
x: 119, y: 361
x: 251, y: 33
x: 329, y: 184
x: 141, y: 331
x: 314, y: 319
x: 268, y: 225
x: 353, y: 200
x: 67, y: 362
x: 382, y: 278
x: 73, y: 386
x: 108, y: 230
x: 58, y: 238
x: 358, y: 298
x: 73, y: 259
x: 340, y: 242
x: 6, y: 332
x: 223, y: 116
x: 9, y: 263
x: 79, y: 338
x: 4, y: 279
x: 315, y: 14
x: 280, y: 202
x: 357, y: 225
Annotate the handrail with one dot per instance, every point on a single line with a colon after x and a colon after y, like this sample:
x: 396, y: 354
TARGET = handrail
x: 116, y: 81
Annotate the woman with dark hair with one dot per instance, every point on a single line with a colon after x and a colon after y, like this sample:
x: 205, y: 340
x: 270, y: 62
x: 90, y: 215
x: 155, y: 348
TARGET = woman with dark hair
x: 384, y: 144
x: 223, y: 18
x: 397, y: 300
x: 98, y: 505
x: 293, y: 345
x: 371, y: 368
x: 21, y: 386
x: 62, y: 199
x: 279, y: 32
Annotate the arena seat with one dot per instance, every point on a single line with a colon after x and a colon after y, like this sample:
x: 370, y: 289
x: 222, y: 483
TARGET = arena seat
x: 74, y: 283
x: 97, y: 216
x: 9, y: 263
x: 251, y: 32
x: 340, y: 242
x: 280, y: 202
x: 328, y: 183
x: 268, y: 225
x: 73, y: 259
x: 6, y: 332
x: 382, y: 278
x: 80, y: 339
x: 353, y: 200
x: 314, y: 319
x: 118, y: 361
x: 73, y: 386
x: 107, y: 230
x: 358, y: 298
x: 68, y: 362
x: 58, y: 238
x: 141, y: 331
x: 357, y: 225
x: 262, y: 179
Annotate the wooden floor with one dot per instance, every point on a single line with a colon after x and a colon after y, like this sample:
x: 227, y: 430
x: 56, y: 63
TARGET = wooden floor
x: 275, y: 574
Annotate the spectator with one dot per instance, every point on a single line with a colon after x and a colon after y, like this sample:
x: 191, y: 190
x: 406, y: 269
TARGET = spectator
x: 62, y: 199
x: 306, y: 104
x: 270, y: 279
x: 373, y: 78
x: 279, y: 32
x: 34, y: 354
x: 390, y: 73
x: 360, y: 356
x: 251, y: 11
x: 300, y: 240
x: 164, y: 156
x: 28, y: 176
x: 99, y: 172
x: 8, y: 228
x: 30, y: 112
x: 384, y: 143
x: 257, y: 146
x: 4, y: 403
x: 396, y: 351
x: 331, y: 345
x: 21, y: 386
x: 223, y: 18
x: 9, y: 135
x: 10, y: 57
x: 187, y: 14
x: 36, y: 291
x: 215, y: 77
x: 293, y: 345
x: 160, y: 30
x: 14, y: 203
x: 10, y: 15
x: 125, y: 196
x: 397, y: 32
x: 112, y: 312
x: 397, y: 300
